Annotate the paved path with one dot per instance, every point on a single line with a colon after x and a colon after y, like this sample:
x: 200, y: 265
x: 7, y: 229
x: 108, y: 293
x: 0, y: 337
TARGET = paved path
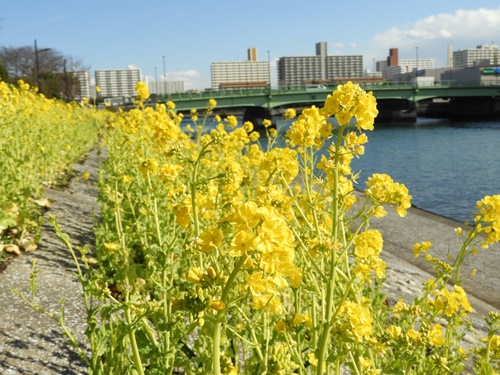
x: 31, y: 343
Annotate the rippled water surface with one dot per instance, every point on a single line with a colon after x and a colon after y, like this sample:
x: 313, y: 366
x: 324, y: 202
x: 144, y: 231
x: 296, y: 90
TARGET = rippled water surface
x: 446, y: 165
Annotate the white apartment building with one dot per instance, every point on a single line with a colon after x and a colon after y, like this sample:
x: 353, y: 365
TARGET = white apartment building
x: 165, y: 87
x: 299, y: 70
x: 118, y: 82
x: 241, y: 74
x: 482, y: 55
x: 83, y: 90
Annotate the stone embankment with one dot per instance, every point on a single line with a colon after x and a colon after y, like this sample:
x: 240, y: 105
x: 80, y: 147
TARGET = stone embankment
x: 31, y: 343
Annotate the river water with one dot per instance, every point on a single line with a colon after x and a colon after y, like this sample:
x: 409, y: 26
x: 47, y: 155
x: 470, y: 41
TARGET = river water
x: 447, y: 165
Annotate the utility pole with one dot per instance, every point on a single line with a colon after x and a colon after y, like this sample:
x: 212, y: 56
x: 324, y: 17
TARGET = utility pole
x: 66, y: 80
x: 37, y: 63
x: 37, y: 66
x: 270, y: 89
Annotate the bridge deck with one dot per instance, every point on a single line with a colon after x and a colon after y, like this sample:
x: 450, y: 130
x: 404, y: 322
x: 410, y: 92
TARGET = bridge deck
x: 267, y: 98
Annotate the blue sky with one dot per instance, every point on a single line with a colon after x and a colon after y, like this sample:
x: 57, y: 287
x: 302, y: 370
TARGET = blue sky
x: 193, y: 34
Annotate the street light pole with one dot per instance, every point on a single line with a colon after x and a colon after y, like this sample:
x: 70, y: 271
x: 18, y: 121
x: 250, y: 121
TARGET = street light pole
x: 270, y: 90
x: 156, y: 82
x: 164, y: 78
x: 269, y: 66
x: 37, y: 63
x: 416, y: 71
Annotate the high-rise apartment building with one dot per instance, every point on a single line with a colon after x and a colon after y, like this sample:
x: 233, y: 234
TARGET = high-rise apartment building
x: 118, y: 82
x: 241, y: 74
x: 482, y: 55
x: 83, y: 79
x: 165, y: 87
x: 252, y: 54
x: 321, y: 68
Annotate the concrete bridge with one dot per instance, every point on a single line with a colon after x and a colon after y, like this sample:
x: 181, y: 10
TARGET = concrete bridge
x: 396, y: 100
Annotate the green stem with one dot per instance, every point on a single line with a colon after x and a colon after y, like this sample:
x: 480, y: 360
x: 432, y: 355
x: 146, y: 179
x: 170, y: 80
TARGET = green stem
x: 131, y: 335
x: 255, y: 342
x: 331, y: 285
x: 457, y: 264
x: 218, y: 324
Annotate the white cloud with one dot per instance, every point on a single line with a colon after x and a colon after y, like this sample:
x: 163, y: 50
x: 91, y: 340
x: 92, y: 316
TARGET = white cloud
x: 192, y: 78
x: 432, y: 35
x: 182, y: 75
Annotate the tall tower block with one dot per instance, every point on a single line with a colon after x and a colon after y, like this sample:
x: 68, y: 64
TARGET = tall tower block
x: 252, y: 54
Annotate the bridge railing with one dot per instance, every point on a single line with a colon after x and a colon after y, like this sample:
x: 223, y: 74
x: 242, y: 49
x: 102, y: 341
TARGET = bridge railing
x: 378, y: 86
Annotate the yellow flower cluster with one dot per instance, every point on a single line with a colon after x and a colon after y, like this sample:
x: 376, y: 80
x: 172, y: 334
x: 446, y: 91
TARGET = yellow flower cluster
x: 383, y: 190
x: 421, y: 247
x: 310, y: 129
x: 290, y: 113
x: 264, y: 238
x: 359, y: 321
x: 262, y: 235
x: 142, y: 90
x: 451, y: 302
x: 280, y: 161
x: 40, y: 139
x: 488, y: 219
x: 367, y: 248
x: 427, y: 335
x: 351, y: 101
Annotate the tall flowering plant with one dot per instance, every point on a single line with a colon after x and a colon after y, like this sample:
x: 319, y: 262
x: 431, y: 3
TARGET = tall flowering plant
x: 216, y: 255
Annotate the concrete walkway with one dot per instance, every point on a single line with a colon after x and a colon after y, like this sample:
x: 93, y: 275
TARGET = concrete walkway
x: 31, y: 343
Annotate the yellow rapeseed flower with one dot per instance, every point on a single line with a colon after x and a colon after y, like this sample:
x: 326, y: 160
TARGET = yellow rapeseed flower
x: 436, y: 335
x: 232, y: 121
x: 211, y: 104
x: 421, y: 247
x: 210, y: 240
x: 290, y: 113
x: 142, y: 90
x: 394, y: 331
x: 243, y: 242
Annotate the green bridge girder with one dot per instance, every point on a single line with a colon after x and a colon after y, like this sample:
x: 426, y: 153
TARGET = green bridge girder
x: 264, y: 98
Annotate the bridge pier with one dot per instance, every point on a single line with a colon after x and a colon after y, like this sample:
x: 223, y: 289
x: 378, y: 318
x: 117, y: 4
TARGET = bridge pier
x: 396, y: 110
x: 257, y: 114
x: 464, y: 107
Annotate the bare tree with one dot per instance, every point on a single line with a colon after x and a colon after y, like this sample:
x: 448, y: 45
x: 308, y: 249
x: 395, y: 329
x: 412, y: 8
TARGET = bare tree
x: 46, y: 68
